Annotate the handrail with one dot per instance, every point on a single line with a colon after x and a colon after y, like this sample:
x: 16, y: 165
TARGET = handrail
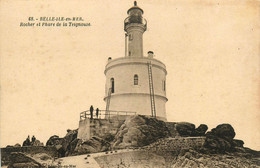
x: 104, y: 114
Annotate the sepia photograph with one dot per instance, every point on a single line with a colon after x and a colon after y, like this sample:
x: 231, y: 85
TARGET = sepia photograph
x: 130, y: 84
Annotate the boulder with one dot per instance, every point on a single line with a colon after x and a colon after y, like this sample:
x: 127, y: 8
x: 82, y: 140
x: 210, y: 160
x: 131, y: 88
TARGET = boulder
x: 201, y: 130
x: 17, y: 145
x: 217, y: 144
x: 220, y: 139
x: 54, y: 140
x: 225, y: 131
x: 42, y: 157
x: 71, y: 147
x: 63, y: 145
x: 9, y: 146
x: 185, y: 129
x: 93, y: 145
x: 172, y: 129
x: 37, y: 143
x: 108, y: 137
x: 139, y: 131
x: 238, y: 143
x: 67, y: 140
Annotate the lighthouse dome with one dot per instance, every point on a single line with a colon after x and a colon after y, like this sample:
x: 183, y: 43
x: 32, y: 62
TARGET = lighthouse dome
x: 135, y: 9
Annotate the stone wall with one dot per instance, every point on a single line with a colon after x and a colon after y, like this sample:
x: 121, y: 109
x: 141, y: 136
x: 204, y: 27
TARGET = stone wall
x: 6, y: 152
x: 98, y: 127
x: 136, y: 159
x: 176, y: 144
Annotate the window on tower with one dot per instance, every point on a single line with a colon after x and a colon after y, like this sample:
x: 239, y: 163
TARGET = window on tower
x: 136, y: 79
x: 112, y: 85
x: 130, y: 37
x: 163, y: 85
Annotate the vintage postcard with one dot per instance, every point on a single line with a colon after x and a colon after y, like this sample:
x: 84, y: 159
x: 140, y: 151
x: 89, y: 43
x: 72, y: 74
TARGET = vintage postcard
x: 170, y: 83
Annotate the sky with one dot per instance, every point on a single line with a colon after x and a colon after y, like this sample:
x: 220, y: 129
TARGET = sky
x: 51, y: 74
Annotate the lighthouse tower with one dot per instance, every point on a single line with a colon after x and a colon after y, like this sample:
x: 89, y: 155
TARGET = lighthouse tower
x: 136, y: 82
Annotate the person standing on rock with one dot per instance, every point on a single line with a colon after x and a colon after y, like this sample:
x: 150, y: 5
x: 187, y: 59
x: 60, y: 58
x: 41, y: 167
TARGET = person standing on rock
x: 97, y: 110
x: 33, y: 138
x: 27, y: 141
x: 91, y: 111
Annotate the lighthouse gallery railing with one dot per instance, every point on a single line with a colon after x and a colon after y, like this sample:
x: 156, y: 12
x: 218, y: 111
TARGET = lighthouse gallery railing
x: 104, y: 114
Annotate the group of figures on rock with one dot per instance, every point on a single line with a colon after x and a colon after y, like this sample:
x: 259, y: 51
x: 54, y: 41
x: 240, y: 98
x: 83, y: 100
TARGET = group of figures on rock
x: 33, y: 142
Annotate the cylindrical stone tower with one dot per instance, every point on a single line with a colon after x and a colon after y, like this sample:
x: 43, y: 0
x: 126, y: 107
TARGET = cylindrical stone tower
x: 127, y: 78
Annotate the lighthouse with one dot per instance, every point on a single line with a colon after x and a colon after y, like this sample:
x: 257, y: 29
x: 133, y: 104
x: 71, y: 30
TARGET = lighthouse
x: 135, y: 82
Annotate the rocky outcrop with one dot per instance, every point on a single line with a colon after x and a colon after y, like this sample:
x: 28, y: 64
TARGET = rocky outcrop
x: 225, y: 131
x: 71, y: 148
x: 186, y: 129
x: 221, y: 139
x: 172, y: 129
x: 176, y: 144
x: 65, y: 145
x: 37, y: 143
x: 17, y: 145
x: 192, y: 158
x: 54, y: 140
x: 238, y: 143
x: 70, y: 145
x: 201, y: 130
x: 21, y: 160
x: 93, y: 145
x: 139, y: 131
x: 154, y: 143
